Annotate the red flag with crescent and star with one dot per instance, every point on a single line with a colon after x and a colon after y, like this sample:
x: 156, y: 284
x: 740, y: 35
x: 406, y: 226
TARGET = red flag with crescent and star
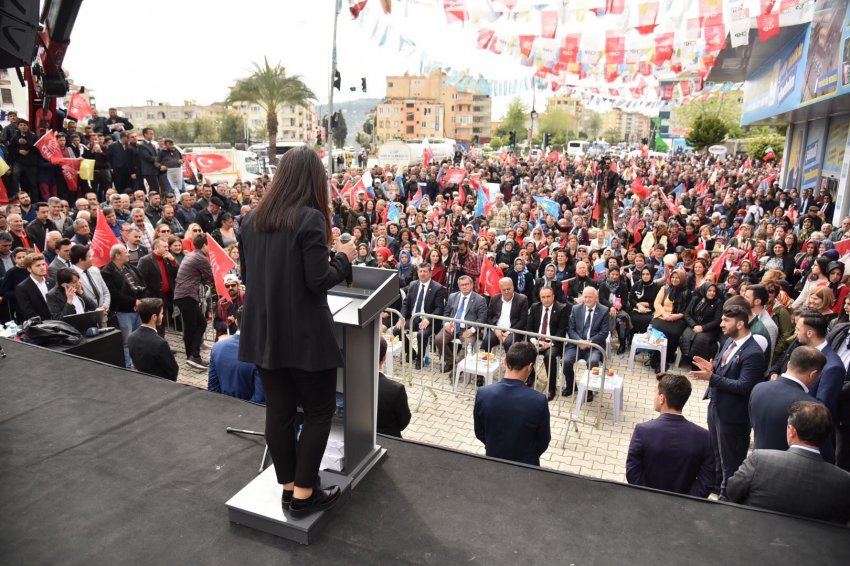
x: 208, y: 162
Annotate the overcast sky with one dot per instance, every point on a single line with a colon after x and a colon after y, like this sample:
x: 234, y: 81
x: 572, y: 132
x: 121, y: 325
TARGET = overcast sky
x: 175, y: 50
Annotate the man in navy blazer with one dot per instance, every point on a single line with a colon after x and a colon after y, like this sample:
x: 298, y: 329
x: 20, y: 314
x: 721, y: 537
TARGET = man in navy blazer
x: 670, y: 452
x: 512, y: 420
x: 464, y: 306
x: 588, y: 321
x: 731, y: 376
x: 423, y: 296
x: 770, y: 400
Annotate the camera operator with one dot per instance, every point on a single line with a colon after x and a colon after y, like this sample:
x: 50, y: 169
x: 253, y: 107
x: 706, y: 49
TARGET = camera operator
x: 463, y: 262
x: 607, y: 182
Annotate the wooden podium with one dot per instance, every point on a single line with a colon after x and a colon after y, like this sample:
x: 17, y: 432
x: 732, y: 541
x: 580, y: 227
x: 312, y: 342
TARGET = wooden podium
x: 357, y: 314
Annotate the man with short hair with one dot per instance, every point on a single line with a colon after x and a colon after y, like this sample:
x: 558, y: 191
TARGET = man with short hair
x: 229, y: 375
x: 24, y: 159
x: 393, y: 413
x: 227, y: 306
x: 63, y: 257
x: 159, y: 271
x: 811, y: 330
x: 770, y: 400
x: 548, y: 318
x: 93, y: 285
x: 148, y: 350
x: 758, y: 298
x: 149, y: 167
x: 507, y: 311
x: 210, y: 219
x: 31, y: 293
x: 193, y: 271
x: 37, y: 229
x: 576, y: 285
x: 512, y: 420
x: 463, y: 306
x: 590, y: 322
x: 670, y: 452
x: 126, y: 288
x: 796, y: 481
x: 82, y: 230
x: 424, y: 296
x: 731, y: 376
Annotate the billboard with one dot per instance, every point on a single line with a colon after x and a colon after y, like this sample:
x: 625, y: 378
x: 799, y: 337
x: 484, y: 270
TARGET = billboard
x: 792, y: 159
x: 820, y: 79
x: 812, y: 154
x: 836, y: 144
x: 775, y: 87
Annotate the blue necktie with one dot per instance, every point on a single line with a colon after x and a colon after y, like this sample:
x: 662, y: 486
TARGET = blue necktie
x: 587, y: 322
x: 460, y: 312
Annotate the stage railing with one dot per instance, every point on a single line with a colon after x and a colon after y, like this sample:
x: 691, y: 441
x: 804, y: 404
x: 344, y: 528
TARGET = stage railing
x: 430, y: 375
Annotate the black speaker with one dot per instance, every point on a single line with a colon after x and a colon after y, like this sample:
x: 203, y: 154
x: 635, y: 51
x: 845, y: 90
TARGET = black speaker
x: 18, y: 28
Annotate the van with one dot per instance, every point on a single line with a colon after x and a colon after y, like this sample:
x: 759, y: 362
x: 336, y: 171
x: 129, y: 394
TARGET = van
x: 577, y: 148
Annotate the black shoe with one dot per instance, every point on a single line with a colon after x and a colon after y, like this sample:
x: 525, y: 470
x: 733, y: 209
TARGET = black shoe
x: 417, y: 364
x: 320, y: 499
x: 286, y: 497
x: 566, y: 393
x: 551, y: 396
x: 589, y: 396
x: 621, y: 350
x: 197, y: 363
x: 479, y: 381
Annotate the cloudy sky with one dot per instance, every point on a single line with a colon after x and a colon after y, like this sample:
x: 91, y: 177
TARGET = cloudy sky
x: 176, y: 50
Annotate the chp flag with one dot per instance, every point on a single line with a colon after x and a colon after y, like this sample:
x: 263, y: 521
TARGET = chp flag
x: 102, y: 241
x: 221, y: 265
x: 49, y: 148
x: 79, y: 107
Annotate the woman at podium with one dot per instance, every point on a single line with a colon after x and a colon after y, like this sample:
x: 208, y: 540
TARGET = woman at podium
x: 287, y: 328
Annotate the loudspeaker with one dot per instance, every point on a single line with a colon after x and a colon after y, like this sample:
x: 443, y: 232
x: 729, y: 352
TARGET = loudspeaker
x: 18, y: 29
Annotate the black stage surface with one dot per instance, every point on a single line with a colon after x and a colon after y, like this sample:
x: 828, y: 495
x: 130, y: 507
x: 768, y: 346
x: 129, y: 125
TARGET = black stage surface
x: 99, y: 465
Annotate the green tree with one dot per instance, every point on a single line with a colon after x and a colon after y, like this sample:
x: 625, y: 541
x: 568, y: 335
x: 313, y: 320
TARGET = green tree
x: 177, y: 130
x: 612, y: 136
x: 232, y: 129
x: 515, y: 119
x: 340, y: 132
x: 593, y: 124
x: 559, y: 124
x: 270, y: 88
x: 727, y: 107
x: 757, y: 145
x: 498, y: 141
x: 204, y: 130
x: 706, y: 131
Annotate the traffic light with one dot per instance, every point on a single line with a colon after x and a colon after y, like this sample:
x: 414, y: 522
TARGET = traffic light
x: 512, y: 138
x: 363, y: 84
x: 337, y: 80
x: 546, y: 136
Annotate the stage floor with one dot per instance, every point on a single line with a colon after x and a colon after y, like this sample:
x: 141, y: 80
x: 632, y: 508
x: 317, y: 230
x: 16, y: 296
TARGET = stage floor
x: 100, y: 465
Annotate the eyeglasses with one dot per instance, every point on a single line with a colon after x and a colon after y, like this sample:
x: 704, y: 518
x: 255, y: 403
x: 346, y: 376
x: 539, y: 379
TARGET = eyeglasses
x: 165, y: 230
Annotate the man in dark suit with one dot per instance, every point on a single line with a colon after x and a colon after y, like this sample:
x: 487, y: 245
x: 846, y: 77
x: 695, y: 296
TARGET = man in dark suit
x: 805, y: 201
x: 589, y: 321
x: 149, y: 167
x: 548, y: 318
x: 577, y: 284
x: 512, y: 420
x: 770, y: 400
x: 464, y: 305
x: 423, y: 296
x: 670, y: 452
x: 120, y: 156
x: 37, y: 229
x: 393, y: 410
x: 149, y: 351
x: 159, y: 271
x: 811, y: 330
x: 796, y: 481
x: 31, y: 293
x: 508, y: 310
x: 731, y: 377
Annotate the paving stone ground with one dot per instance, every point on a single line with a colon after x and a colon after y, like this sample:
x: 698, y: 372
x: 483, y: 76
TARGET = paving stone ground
x: 445, y: 419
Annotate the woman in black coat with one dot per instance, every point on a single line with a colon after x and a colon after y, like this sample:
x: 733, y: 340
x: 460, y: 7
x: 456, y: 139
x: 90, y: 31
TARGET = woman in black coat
x: 641, y: 298
x: 703, y: 318
x: 287, y: 328
x: 523, y: 279
x: 614, y: 294
x: 57, y: 298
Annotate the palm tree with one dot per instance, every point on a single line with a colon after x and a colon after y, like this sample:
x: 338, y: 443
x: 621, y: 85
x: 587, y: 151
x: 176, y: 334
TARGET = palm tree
x: 270, y: 88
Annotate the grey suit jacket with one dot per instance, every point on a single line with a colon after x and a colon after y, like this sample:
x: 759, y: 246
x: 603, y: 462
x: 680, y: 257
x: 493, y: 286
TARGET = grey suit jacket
x: 794, y: 481
x: 476, y: 310
x: 102, y: 289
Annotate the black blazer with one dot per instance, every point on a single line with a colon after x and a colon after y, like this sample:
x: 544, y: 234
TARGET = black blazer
x: 57, y: 303
x: 558, y: 318
x: 151, y: 354
x: 286, y: 322
x: 434, y: 302
x: 123, y: 296
x: 512, y: 421
x: 119, y: 157
x: 729, y: 386
x: 769, y: 404
x: 147, y: 155
x: 30, y: 301
x: 519, y: 311
x: 393, y: 410
x: 149, y: 268
x: 556, y: 286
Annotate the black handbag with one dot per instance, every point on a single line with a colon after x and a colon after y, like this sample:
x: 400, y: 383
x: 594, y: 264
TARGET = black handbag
x: 50, y: 332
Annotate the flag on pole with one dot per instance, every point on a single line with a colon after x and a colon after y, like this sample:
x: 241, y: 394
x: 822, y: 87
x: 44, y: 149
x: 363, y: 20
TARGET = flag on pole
x: 718, y: 264
x: 393, y: 214
x: 221, y: 265
x: 79, y: 107
x: 87, y: 169
x: 70, y: 172
x: 769, y: 154
x: 670, y: 206
x: 427, y: 154
x: 102, y: 241
x: 416, y: 198
x: 488, y: 281
x: 355, y: 7
x: 679, y: 191
x: 639, y: 189
x: 208, y: 162
x: 482, y: 204
x: 49, y: 148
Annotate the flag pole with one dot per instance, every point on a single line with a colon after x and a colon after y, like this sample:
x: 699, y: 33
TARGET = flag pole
x: 330, y: 141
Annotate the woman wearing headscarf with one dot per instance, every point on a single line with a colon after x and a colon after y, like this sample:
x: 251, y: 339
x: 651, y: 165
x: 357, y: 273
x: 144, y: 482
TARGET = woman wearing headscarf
x: 406, y: 271
x: 364, y: 256
x: 522, y: 278
x: 614, y: 294
x: 669, y: 316
x: 549, y: 280
x: 804, y: 260
x: 506, y: 255
x: 641, y: 298
x: 703, y: 323
x: 835, y: 274
x: 781, y: 260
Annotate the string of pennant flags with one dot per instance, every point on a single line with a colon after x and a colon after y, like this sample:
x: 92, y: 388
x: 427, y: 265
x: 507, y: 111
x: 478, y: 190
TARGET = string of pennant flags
x: 638, y: 54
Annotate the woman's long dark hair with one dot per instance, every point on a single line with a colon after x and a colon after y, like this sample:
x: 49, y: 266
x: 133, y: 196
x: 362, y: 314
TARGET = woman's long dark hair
x: 300, y: 181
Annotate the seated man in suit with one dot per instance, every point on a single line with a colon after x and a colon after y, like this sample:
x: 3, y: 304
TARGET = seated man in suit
x: 393, y: 410
x: 798, y: 480
x: 548, y: 318
x: 463, y: 305
x: 770, y: 400
x: 228, y: 374
x: 589, y: 321
x: 508, y: 310
x: 423, y: 296
x: 511, y: 419
x: 731, y: 376
x: 670, y: 452
x: 31, y: 293
x: 67, y: 297
x: 149, y: 351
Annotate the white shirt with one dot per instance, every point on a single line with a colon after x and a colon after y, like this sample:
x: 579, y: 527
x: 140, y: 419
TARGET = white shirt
x: 7, y: 261
x: 79, y: 307
x: 41, y: 286
x: 844, y: 352
x: 736, y: 345
x: 797, y: 381
x: 423, y: 290
x: 505, y: 315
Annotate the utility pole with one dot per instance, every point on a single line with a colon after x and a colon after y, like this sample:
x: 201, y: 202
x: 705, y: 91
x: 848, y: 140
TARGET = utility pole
x: 337, y: 5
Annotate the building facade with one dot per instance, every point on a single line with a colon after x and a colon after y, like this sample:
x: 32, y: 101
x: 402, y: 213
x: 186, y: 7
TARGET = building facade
x: 13, y: 96
x: 631, y: 127
x: 154, y: 114
x: 419, y: 106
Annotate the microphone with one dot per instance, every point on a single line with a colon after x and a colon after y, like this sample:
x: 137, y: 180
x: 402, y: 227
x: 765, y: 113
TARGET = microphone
x: 345, y: 238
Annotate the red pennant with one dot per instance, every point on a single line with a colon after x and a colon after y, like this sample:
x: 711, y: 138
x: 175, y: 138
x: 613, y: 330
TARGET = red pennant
x: 569, y: 48
x: 711, y: 13
x: 663, y: 48
x: 765, y: 6
x: 455, y: 11
x: 549, y: 23
x: 715, y: 37
x: 102, y: 241
x: 488, y: 280
x: 221, y: 264
x: 70, y: 172
x: 842, y: 247
x: 768, y: 26
x: 647, y: 13
x: 526, y: 42
x: 615, y: 45
x: 78, y: 107
x: 485, y: 36
x: 49, y: 148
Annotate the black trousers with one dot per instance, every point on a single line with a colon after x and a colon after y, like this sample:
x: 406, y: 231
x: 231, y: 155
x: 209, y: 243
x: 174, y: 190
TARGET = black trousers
x: 730, y: 442
x: 315, y: 392
x: 422, y: 338
x: 194, y: 325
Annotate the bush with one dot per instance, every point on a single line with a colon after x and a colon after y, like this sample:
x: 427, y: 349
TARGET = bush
x: 706, y: 131
x: 757, y: 145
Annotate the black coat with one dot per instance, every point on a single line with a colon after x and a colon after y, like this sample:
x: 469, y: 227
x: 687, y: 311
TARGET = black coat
x: 393, y: 410
x: 149, y: 268
x: 151, y: 354
x: 558, y: 319
x: 57, y: 303
x: 286, y: 322
x: 123, y: 296
x: 148, y: 162
x: 519, y: 311
x: 433, y: 303
x: 30, y: 301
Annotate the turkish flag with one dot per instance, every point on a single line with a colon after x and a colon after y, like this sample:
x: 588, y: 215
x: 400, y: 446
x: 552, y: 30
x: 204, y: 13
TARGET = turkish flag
x: 208, y: 162
x: 842, y: 247
x: 488, y: 281
x: 768, y: 26
x: 221, y: 264
x: 49, y: 148
x: 670, y: 206
x: 78, y: 107
x: 102, y: 241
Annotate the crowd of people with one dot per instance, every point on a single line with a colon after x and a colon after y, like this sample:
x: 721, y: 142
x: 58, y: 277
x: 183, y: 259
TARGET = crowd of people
x: 702, y: 251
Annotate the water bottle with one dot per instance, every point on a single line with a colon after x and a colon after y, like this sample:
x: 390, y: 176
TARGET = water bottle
x: 469, y: 350
x: 427, y: 359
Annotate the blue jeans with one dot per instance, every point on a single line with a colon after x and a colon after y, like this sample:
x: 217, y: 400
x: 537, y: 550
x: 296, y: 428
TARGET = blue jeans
x: 127, y: 322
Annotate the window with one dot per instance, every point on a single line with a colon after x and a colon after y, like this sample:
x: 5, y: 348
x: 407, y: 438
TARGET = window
x: 409, y: 117
x: 6, y: 94
x: 476, y: 109
x: 409, y: 130
x: 187, y: 115
x: 255, y: 108
x: 426, y: 111
x: 292, y: 121
x: 409, y: 105
x: 160, y: 115
x: 174, y: 115
x: 150, y: 115
x: 423, y: 124
x: 138, y: 114
x: 389, y: 84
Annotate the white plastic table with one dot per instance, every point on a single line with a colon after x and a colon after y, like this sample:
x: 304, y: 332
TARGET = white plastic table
x: 476, y: 366
x: 639, y: 342
x: 613, y: 385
